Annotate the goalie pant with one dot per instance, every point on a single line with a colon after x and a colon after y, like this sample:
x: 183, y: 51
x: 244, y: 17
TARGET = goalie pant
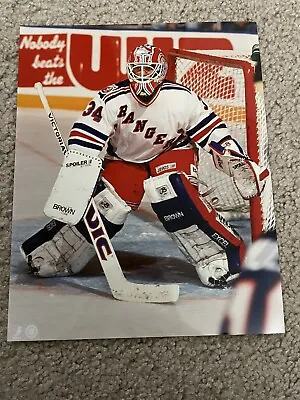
x: 203, y: 236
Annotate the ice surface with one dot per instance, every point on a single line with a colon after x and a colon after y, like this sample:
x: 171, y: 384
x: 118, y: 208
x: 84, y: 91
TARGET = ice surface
x: 82, y: 306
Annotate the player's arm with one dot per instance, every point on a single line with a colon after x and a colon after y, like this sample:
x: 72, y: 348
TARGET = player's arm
x: 208, y: 131
x: 256, y: 306
x: 82, y: 164
x: 92, y: 129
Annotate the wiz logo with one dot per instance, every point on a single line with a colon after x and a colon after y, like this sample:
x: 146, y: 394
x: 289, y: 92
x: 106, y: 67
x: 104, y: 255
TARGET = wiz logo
x: 95, y: 224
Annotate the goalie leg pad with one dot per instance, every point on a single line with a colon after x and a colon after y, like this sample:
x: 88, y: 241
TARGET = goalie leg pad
x: 57, y: 250
x: 112, y: 208
x: 199, y: 231
x: 61, y: 250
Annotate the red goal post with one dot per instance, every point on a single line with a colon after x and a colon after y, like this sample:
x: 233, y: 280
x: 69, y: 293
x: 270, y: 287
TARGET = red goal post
x: 226, y: 83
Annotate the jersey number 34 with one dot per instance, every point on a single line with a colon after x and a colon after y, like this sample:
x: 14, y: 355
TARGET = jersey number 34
x: 96, y: 113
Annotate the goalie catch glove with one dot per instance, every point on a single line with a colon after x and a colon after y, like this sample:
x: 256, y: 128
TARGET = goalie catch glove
x: 248, y: 177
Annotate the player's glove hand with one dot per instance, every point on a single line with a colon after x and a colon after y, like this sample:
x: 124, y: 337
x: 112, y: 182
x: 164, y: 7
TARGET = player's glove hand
x: 248, y: 177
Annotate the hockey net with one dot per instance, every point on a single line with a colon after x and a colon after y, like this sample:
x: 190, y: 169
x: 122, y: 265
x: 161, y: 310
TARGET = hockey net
x: 226, y: 83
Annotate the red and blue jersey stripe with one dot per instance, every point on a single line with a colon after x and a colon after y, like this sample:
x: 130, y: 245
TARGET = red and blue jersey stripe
x: 201, y: 132
x: 86, y: 136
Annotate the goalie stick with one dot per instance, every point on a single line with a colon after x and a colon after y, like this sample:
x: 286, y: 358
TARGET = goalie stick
x: 120, y: 287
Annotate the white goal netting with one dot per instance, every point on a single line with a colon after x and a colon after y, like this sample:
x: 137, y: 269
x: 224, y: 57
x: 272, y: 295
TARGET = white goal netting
x: 223, y: 82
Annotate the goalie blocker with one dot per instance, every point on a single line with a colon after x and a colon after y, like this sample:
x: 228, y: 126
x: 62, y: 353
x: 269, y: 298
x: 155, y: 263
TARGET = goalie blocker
x: 74, y: 186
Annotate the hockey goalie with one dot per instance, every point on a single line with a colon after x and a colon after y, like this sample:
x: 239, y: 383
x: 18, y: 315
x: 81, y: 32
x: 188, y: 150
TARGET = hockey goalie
x: 141, y: 136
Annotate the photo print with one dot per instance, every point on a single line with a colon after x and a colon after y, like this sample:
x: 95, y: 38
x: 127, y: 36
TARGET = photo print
x: 143, y: 203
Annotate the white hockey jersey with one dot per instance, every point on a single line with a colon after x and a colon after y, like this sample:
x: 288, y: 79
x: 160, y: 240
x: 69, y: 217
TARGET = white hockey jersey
x: 137, y: 133
x: 256, y: 307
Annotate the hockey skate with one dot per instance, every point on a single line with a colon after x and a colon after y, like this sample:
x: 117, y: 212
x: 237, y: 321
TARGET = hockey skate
x: 214, y: 272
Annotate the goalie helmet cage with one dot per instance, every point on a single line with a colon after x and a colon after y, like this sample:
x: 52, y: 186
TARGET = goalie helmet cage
x: 226, y: 82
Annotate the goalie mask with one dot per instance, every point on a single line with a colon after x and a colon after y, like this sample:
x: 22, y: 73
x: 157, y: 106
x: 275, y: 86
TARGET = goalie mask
x: 146, y: 69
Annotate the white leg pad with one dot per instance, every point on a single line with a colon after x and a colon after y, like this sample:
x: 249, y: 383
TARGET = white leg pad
x: 66, y: 254
x: 111, y: 206
x: 68, y: 251
x: 195, y: 244
x: 209, y: 259
x: 205, y: 254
